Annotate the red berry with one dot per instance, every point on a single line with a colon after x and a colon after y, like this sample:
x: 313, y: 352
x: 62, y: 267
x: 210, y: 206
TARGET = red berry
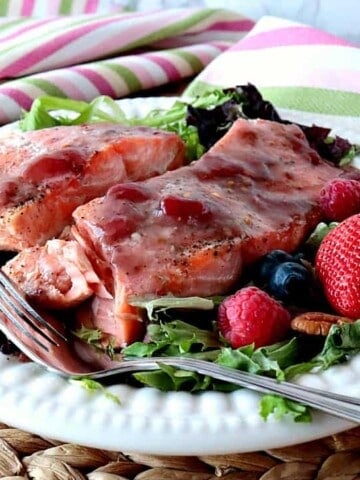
x: 128, y: 191
x: 252, y: 316
x: 337, y: 266
x: 340, y: 199
x: 185, y: 208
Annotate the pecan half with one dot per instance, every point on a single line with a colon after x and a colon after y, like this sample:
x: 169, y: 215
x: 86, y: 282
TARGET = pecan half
x: 317, y: 323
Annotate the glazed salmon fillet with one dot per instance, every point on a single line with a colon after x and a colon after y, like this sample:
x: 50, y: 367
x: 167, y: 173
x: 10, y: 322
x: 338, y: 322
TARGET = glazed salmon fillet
x: 191, y: 231
x: 46, y: 174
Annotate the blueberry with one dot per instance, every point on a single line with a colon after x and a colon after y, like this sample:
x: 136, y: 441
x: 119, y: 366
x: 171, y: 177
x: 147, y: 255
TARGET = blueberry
x: 290, y: 281
x: 269, y: 263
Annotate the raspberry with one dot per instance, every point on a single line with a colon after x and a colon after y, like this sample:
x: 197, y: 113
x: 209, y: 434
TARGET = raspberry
x: 252, y: 316
x: 340, y: 199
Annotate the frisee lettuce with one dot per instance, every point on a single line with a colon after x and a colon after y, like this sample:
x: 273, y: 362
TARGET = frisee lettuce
x: 341, y: 344
x: 93, y: 386
x: 318, y: 235
x: 280, y: 406
x: 282, y: 361
x: 174, y: 338
x: 200, y: 121
x: 48, y: 111
x: 154, y: 306
x: 95, y: 338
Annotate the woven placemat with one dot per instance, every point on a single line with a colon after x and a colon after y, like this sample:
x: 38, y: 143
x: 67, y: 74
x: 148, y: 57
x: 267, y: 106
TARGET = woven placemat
x: 27, y: 456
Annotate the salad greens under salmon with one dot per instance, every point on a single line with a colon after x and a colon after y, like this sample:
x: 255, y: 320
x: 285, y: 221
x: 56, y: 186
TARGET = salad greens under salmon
x: 199, y: 123
x: 188, y: 326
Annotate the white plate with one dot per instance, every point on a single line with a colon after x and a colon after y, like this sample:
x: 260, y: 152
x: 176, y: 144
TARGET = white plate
x: 162, y: 423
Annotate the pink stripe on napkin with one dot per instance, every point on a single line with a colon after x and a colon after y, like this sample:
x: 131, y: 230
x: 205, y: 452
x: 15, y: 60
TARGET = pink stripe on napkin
x: 103, y: 86
x: 170, y: 70
x: 147, y: 77
x: 289, y: 36
x: 27, y: 8
x: 91, y: 6
x: 18, y: 96
x: 66, y: 85
x: 26, y: 61
x: 233, y: 26
x: 27, y: 28
x: 132, y: 31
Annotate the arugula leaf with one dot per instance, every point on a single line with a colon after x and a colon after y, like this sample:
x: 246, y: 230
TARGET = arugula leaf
x: 353, y: 152
x: 172, y: 338
x: 277, y: 361
x: 169, y: 378
x: 95, y: 338
x: 180, y: 338
x: 342, y: 343
x: 318, y: 235
x: 93, y: 386
x: 154, y: 306
x: 200, y: 121
x: 280, y: 406
x: 89, y: 335
x: 47, y: 111
x: 264, y: 360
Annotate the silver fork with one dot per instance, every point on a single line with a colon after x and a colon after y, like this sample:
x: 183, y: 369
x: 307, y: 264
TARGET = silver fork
x: 45, y: 343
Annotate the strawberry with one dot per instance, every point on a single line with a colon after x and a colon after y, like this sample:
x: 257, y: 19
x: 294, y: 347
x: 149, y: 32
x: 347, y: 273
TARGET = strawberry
x: 340, y: 198
x: 337, y: 266
x: 252, y: 316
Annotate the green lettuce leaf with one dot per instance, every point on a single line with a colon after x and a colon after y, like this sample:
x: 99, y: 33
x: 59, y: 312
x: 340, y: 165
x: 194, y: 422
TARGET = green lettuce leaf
x: 277, y: 361
x: 341, y: 344
x: 154, y: 306
x: 168, y: 378
x: 318, y: 235
x: 173, y: 338
x: 48, y: 111
x: 95, y: 338
x: 93, y: 386
x: 269, y: 360
x: 279, y: 406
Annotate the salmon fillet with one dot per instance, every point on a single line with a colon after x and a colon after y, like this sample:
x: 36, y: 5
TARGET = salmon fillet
x: 46, y: 174
x: 192, y: 230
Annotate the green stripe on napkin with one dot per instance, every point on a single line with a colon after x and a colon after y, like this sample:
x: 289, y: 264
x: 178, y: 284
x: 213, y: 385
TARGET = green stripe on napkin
x: 65, y: 7
x: 192, y: 60
x: 131, y: 80
x: 47, y: 87
x: 4, y: 7
x: 173, y: 29
x: 307, y: 99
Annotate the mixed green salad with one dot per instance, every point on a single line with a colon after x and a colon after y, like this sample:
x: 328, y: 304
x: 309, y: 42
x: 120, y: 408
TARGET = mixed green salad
x: 187, y: 326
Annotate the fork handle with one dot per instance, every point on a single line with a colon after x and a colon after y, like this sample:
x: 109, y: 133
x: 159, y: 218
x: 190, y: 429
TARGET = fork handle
x: 339, y: 405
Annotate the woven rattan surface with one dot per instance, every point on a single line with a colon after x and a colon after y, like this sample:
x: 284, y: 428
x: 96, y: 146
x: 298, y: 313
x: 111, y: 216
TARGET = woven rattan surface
x: 27, y: 456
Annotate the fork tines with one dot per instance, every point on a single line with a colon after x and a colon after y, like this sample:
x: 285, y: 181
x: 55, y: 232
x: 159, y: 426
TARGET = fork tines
x: 20, y: 313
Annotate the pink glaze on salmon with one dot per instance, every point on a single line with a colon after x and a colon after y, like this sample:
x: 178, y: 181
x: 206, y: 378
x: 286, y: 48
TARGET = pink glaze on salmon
x: 46, y: 174
x: 191, y: 231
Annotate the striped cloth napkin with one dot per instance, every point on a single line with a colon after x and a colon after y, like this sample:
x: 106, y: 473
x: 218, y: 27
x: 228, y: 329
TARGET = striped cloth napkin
x: 295, y: 66
x: 84, y: 56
